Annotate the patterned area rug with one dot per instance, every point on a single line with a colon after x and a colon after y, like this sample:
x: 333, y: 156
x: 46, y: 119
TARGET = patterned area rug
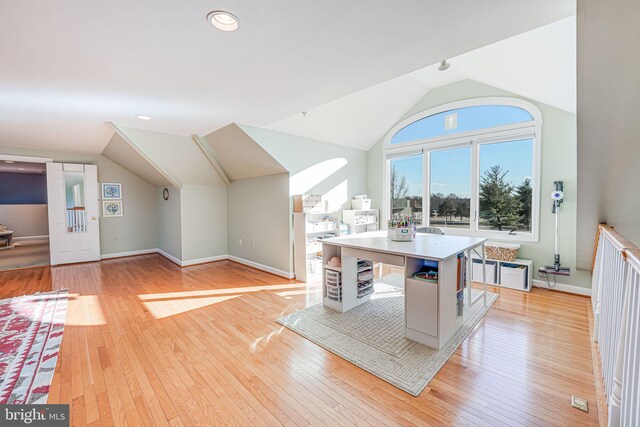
x: 31, y: 329
x: 371, y: 336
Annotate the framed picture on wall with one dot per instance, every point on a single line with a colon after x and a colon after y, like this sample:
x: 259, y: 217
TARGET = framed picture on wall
x: 111, y: 208
x: 111, y: 190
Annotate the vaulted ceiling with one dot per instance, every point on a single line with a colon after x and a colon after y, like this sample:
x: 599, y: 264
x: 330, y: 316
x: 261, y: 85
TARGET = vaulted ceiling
x: 539, y: 64
x: 70, y: 66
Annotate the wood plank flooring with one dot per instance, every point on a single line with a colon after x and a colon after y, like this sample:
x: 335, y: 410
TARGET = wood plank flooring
x: 149, y: 343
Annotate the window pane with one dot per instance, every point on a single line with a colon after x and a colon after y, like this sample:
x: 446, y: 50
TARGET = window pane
x: 505, y: 185
x: 450, y: 188
x: 461, y: 120
x: 406, y: 187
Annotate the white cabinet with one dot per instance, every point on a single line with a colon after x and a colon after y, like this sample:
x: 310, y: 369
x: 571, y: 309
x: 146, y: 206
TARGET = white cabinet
x: 422, y: 306
x: 361, y: 220
x: 309, y: 229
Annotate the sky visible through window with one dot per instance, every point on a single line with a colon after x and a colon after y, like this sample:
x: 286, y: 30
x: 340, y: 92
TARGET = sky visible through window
x: 466, y: 119
x: 450, y: 168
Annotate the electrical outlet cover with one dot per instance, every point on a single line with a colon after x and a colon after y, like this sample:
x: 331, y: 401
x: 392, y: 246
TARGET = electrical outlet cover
x: 580, y: 403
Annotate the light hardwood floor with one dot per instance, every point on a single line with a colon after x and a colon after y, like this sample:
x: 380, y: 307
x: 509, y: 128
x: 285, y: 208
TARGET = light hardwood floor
x: 149, y: 343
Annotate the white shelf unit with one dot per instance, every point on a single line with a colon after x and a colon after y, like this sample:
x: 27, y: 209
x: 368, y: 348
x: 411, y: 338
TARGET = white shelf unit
x: 335, y: 295
x: 309, y: 228
x: 362, y: 220
x: 521, y: 281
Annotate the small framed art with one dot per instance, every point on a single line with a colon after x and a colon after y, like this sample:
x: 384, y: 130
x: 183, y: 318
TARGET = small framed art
x: 111, y: 208
x: 111, y: 190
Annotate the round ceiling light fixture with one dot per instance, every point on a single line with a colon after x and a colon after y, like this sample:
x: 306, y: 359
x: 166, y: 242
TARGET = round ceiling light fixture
x: 222, y: 20
x: 142, y: 117
x: 444, y: 65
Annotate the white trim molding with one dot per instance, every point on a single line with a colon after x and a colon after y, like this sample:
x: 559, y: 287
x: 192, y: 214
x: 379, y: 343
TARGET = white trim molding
x: 203, y: 260
x: 17, y: 239
x: 192, y: 262
x: 26, y: 159
x: 277, y: 272
x: 170, y: 257
x: 129, y: 253
x: 570, y: 289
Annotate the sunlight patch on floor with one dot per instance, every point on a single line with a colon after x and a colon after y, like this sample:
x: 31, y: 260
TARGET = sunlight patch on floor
x: 223, y: 291
x: 84, y: 310
x: 171, y: 307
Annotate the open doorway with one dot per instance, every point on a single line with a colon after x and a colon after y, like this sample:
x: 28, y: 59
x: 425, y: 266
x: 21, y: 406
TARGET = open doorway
x: 24, y: 223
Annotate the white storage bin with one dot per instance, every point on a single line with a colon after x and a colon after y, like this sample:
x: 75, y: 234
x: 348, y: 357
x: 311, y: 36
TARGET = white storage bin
x: 476, y: 272
x: 513, y: 276
x: 360, y: 204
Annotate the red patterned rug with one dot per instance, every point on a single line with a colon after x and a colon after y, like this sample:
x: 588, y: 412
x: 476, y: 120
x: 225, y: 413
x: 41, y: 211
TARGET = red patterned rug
x: 31, y: 328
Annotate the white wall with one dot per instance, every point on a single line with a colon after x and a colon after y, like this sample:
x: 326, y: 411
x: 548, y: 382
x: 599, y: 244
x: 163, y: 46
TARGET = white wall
x: 169, y: 229
x: 137, y: 228
x: 25, y: 220
x: 203, y: 221
x: 559, y: 162
x: 259, y: 214
x: 608, y: 112
x: 336, y: 172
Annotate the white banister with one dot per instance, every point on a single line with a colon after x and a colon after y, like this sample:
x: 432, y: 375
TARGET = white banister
x: 616, y: 309
x: 624, y: 402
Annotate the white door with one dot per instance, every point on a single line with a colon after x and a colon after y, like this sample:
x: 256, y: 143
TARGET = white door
x: 74, y: 229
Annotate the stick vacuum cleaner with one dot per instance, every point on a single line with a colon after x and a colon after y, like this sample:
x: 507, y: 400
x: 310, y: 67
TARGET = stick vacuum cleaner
x: 558, y: 197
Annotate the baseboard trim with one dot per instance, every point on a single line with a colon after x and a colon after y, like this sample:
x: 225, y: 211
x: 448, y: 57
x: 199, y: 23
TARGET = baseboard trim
x: 571, y: 289
x: 129, y: 253
x: 262, y: 267
x: 204, y: 260
x: 192, y: 262
x: 169, y: 257
x: 17, y: 239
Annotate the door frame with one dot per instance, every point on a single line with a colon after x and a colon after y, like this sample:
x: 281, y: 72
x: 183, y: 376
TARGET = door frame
x: 31, y: 159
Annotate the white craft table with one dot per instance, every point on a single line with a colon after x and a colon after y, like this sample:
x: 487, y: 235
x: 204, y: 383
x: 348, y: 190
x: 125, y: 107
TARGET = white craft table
x: 433, y: 312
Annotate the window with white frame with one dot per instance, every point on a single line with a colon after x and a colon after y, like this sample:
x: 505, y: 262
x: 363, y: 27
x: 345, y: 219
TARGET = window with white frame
x: 471, y: 167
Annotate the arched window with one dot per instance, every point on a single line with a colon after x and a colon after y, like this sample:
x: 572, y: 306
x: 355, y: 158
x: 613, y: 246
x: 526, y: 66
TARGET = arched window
x: 471, y: 167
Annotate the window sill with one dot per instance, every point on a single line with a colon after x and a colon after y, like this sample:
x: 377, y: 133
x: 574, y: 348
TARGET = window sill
x: 493, y: 235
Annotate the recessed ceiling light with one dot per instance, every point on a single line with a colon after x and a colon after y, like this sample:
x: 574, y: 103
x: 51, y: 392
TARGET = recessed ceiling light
x: 8, y: 161
x: 144, y: 117
x: 222, y: 20
x: 444, y: 65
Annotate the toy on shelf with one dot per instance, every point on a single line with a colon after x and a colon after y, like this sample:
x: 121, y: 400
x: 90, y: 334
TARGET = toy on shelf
x: 335, y: 262
x: 428, y: 276
x: 402, y: 229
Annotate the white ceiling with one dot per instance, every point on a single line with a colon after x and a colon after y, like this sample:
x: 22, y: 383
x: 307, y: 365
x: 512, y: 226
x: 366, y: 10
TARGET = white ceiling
x: 539, y: 64
x: 68, y: 66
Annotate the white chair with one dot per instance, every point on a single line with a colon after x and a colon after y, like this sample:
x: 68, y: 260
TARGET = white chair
x: 430, y: 230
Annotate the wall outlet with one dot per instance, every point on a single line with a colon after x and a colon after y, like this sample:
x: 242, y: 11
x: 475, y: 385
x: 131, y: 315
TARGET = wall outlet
x: 240, y: 242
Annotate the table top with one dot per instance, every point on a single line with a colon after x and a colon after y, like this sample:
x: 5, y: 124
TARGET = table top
x: 430, y: 246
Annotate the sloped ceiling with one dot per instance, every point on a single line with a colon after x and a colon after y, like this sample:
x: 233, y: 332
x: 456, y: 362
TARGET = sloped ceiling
x: 176, y: 158
x: 239, y: 155
x: 69, y: 66
x: 539, y: 64
x: 122, y: 153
